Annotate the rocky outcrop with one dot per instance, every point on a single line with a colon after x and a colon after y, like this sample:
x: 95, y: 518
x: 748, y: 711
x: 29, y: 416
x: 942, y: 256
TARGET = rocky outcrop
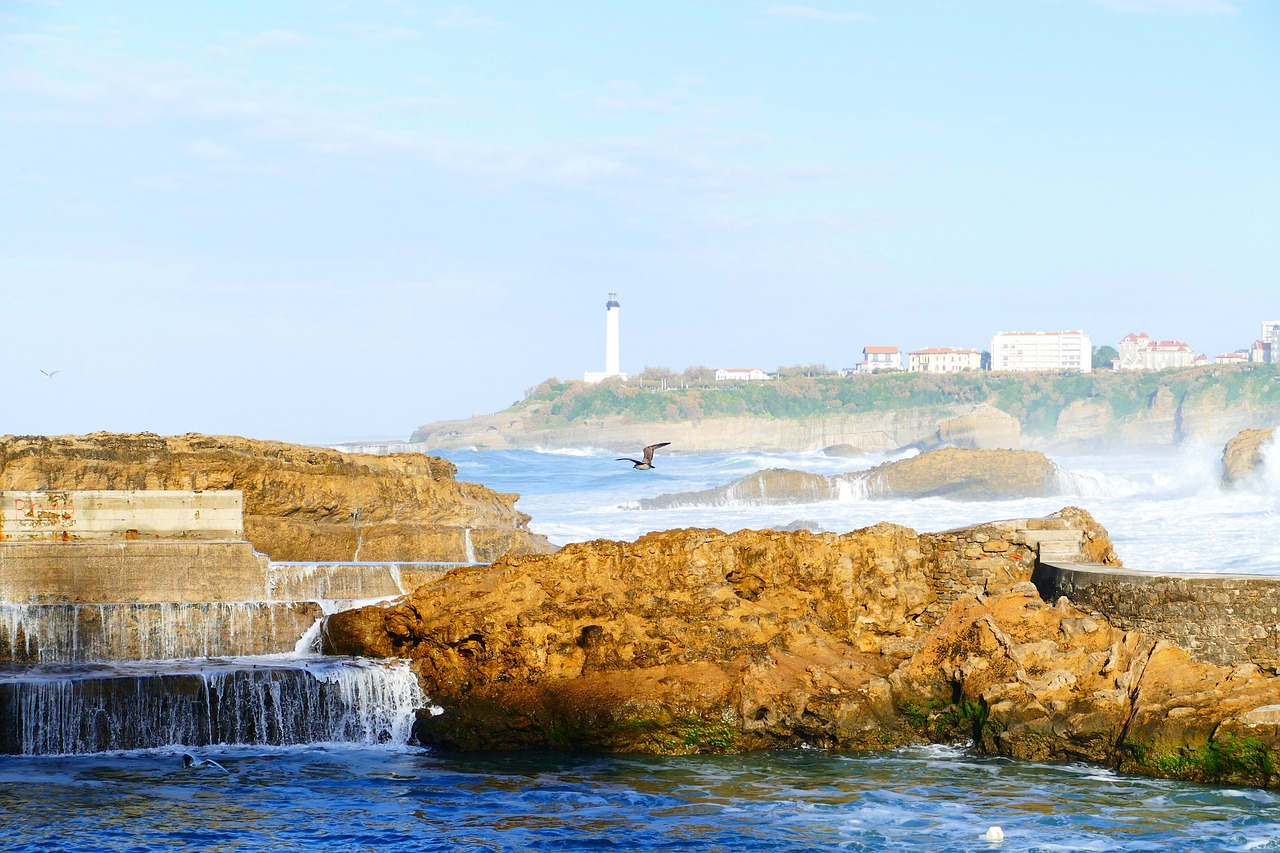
x: 984, y: 428
x: 1242, y: 457
x: 700, y: 641
x: 300, y: 503
x: 955, y: 473
x: 960, y: 474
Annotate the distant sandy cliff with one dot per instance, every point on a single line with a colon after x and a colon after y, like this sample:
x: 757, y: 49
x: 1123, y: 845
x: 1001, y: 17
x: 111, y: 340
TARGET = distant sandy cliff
x: 882, y: 413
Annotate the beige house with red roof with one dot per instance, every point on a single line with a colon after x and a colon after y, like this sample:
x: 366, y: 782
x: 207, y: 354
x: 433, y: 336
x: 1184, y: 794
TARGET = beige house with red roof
x: 943, y: 360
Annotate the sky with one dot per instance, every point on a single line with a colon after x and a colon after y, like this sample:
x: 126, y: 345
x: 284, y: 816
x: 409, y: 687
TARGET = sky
x: 333, y: 221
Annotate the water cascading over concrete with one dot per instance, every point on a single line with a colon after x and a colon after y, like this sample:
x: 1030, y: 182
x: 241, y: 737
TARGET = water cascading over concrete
x: 149, y: 631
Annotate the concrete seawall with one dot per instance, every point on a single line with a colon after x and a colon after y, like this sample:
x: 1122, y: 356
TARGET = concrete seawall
x: 1222, y: 619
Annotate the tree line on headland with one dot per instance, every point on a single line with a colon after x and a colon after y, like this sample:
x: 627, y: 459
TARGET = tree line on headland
x: 1035, y: 399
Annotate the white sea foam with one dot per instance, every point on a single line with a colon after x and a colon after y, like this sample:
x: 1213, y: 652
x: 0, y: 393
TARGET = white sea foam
x: 1165, y: 508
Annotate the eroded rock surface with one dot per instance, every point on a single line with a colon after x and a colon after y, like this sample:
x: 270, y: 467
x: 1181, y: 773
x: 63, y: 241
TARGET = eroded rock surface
x: 300, y: 503
x: 1242, y: 457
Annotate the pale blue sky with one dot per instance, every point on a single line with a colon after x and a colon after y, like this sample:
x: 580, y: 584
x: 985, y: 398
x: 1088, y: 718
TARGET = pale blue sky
x: 332, y: 220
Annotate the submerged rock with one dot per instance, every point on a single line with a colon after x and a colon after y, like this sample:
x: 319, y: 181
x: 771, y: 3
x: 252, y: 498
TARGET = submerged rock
x: 1242, y: 457
x: 965, y: 474
x: 300, y: 503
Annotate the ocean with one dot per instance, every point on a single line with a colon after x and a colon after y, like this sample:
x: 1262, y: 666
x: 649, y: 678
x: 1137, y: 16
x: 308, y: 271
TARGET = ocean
x: 1165, y: 512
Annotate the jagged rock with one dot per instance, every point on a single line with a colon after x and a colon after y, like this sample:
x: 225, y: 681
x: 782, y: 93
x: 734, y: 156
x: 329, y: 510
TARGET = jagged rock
x: 1041, y: 682
x: 300, y: 503
x: 984, y: 428
x: 964, y: 474
x: 1242, y: 456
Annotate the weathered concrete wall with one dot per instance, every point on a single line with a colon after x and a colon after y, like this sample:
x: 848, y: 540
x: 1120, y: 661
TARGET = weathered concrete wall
x: 111, y: 572
x: 1222, y: 619
x: 70, y: 516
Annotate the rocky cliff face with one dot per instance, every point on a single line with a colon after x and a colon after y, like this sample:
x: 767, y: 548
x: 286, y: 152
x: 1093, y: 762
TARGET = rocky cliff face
x: 300, y: 503
x: 983, y: 411
x: 1242, y: 456
x: 955, y: 473
x: 700, y: 641
x: 984, y: 428
x: 869, y: 432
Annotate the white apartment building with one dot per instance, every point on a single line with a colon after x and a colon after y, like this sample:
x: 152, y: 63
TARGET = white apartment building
x: 943, y: 360
x: 1140, y: 352
x: 1042, y: 351
x: 1271, y: 335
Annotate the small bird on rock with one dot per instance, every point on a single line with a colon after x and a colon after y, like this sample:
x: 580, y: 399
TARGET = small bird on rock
x: 646, y: 460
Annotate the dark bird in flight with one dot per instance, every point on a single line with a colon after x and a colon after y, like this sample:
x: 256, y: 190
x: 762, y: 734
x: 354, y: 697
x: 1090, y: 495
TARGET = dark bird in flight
x: 48, y: 374
x: 645, y: 463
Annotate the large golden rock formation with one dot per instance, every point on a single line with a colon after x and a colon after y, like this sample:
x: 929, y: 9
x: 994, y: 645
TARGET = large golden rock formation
x: 300, y: 503
x: 696, y: 640
x: 1242, y: 455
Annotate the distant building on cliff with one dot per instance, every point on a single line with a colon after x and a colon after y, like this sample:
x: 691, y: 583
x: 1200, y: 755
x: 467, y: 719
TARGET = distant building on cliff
x: 1140, y: 352
x: 1262, y: 352
x: 1237, y: 357
x: 1271, y: 335
x: 876, y: 359
x: 943, y: 360
x: 741, y: 374
x: 1042, y: 351
x: 612, y: 348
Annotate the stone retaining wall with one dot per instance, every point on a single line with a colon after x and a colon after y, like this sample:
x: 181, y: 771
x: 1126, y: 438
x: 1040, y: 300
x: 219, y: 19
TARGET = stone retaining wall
x: 1221, y: 619
x: 993, y: 558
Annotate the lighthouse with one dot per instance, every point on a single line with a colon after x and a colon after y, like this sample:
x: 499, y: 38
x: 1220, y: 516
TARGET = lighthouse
x: 612, y: 348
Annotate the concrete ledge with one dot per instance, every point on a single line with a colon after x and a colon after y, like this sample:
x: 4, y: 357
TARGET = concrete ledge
x: 1225, y: 619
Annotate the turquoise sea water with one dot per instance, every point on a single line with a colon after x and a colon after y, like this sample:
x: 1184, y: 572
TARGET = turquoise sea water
x: 1164, y: 511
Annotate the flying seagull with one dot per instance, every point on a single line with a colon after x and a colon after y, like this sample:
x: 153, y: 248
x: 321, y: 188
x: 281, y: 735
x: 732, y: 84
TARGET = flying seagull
x: 645, y: 463
x: 48, y: 374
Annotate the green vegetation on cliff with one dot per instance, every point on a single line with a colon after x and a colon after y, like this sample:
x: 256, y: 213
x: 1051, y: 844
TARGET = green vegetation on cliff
x: 1035, y: 399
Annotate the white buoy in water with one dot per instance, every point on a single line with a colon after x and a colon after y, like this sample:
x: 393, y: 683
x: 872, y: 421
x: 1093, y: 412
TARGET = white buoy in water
x: 994, y: 833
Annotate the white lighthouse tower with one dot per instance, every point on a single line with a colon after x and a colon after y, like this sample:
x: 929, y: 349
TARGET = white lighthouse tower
x: 612, y: 350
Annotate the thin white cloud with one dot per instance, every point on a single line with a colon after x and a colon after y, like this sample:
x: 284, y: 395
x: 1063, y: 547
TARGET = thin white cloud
x: 382, y: 33
x: 463, y: 16
x: 818, y: 14
x: 1171, y: 7
x: 207, y: 149
x: 279, y: 38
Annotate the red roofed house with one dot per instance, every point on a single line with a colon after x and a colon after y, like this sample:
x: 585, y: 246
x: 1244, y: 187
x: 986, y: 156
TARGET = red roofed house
x: 875, y: 359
